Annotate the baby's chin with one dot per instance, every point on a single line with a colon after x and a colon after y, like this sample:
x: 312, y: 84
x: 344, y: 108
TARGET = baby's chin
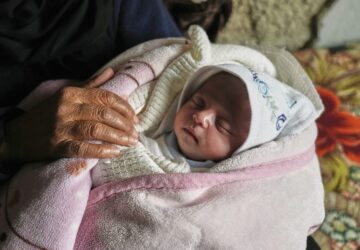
x: 196, y: 155
x: 190, y: 153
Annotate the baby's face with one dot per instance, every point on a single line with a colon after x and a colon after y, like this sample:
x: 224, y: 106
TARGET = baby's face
x: 215, y: 121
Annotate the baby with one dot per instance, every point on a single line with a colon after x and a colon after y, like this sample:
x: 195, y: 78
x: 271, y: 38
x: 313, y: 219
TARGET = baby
x: 234, y: 108
x: 222, y: 110
x: 215, y: 121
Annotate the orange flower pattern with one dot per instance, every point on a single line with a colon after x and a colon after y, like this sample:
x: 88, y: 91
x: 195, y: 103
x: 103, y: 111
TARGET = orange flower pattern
x: 337, y: 127
x: 337, y: 79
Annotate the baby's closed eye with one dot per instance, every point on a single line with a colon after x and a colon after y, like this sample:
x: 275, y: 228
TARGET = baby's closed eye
x: 223, y: 126
x: 198, y: 102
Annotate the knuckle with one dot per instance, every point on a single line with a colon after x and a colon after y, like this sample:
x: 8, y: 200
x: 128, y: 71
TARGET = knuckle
x: 101, y: 150
x: 82, y: 108
x: 67, y: 92
x: 102, y: 95
x: 112, y: 98
x: 69, y: 148
x: 108, y: 97
x: 80, y: 128
x: 105, y: 114
x: 84, y: 129
x: 92, y: 130
x: 75, y: 149
x: 83, y: 150
x: 60, y: 112
x: 77, y: 129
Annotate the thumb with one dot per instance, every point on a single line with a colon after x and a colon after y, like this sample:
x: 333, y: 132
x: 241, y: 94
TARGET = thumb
x: 100, y: 79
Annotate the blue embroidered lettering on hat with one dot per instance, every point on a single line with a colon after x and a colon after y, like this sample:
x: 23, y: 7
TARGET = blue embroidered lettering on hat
x: 280, y: 121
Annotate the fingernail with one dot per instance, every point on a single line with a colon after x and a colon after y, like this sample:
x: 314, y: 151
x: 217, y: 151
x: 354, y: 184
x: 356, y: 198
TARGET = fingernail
x: 115, y: 151
x: 133, y: 141
x: 135, y: 134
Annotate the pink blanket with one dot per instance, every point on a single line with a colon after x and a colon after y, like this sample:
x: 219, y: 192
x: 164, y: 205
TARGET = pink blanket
x: 270, y: 205
x: 271, y: 199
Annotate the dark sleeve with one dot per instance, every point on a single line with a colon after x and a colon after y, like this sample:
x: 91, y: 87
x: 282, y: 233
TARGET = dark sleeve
x: 47, y: 39
x: 311, y: 244
x: 140, y: 21
x: 41, y: 40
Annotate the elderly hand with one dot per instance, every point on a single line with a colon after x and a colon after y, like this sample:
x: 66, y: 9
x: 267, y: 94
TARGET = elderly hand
x: 64, y: 125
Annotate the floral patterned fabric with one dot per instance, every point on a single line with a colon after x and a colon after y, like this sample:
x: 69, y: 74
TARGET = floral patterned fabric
x: 337, y: 78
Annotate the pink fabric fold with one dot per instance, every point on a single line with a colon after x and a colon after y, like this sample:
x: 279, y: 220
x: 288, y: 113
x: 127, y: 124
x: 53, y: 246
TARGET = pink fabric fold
x: 190, y: 181
x: 268, y: 206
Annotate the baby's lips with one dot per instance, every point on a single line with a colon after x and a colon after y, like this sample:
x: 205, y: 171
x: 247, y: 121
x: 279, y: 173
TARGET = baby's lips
x: 192, y: 133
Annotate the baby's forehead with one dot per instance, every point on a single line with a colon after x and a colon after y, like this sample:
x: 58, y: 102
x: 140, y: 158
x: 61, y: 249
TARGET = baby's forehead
x: 229, y: 92
x: 225, y: 87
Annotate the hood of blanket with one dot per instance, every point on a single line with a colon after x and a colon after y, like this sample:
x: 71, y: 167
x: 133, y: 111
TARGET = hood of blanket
x: 276, y: 109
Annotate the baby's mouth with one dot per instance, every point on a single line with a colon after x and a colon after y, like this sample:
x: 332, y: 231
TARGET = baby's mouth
x: 190, y: 132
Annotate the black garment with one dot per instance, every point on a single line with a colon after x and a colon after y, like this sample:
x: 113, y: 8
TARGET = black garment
x: 211, y: 15
x: 311, y: 244
x: 47, y: 39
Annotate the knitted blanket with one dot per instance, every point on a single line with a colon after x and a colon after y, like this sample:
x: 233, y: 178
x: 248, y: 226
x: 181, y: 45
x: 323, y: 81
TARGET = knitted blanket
x: 269, y: 197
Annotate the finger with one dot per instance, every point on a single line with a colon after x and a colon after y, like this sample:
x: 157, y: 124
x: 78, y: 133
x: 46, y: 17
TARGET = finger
x: 100, y: 79
x: 103, y: 115
x: 87, y: 150
x: 109, y: 99
x: 98, y: 96
x: 89, y: 130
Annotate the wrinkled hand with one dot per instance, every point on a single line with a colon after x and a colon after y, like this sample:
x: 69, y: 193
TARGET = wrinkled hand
x: 64, y: 125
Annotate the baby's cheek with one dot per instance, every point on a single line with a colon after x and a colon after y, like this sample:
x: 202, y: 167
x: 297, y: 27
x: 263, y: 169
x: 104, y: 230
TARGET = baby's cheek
x: 218, y: 148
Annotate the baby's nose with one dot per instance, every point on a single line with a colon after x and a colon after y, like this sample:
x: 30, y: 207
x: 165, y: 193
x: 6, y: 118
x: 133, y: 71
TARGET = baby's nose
x: 205, y: 118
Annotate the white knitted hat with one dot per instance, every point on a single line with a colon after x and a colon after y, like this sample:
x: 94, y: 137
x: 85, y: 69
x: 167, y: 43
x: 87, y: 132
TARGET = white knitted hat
x: 276, y: 109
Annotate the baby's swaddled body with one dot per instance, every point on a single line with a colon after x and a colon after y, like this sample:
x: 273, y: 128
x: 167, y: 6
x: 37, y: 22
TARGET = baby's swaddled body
x: 222, y: 110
